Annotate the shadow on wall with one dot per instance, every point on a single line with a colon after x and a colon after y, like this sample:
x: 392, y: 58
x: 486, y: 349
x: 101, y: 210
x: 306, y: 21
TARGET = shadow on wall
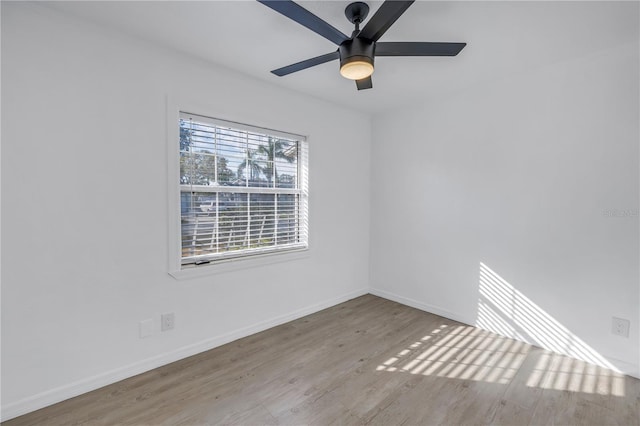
x: 504, y: 310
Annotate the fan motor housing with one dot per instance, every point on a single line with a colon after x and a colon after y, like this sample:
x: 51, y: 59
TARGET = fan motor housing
x: 357, y: 49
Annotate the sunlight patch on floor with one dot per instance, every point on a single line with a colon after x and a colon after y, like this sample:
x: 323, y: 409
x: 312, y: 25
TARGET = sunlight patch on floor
x: 559, y: 372
x: 460, y: 352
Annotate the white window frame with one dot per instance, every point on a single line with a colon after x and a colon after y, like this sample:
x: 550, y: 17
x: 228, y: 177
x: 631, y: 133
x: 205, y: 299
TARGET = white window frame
x: 259, y: 258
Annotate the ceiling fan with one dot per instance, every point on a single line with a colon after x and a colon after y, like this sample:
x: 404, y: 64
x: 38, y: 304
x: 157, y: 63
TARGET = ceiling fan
x: 357, y: 53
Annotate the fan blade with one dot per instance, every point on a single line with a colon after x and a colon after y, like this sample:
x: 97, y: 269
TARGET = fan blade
x: 384, y: 17
x: 306, y: 64
x: 305, y: 18
x: 365, y: 83
x: 418, y: 49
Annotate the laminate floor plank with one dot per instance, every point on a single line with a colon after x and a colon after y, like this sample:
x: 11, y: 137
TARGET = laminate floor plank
x: 368, y: 361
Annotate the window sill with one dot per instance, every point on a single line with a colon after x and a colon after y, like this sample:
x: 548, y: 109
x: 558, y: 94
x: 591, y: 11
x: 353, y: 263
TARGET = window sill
x: 235, y: 264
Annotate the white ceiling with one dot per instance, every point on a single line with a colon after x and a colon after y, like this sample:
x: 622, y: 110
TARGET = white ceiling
x: 502, y: 38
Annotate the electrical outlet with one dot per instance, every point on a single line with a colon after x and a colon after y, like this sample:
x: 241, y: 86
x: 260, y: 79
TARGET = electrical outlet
x: 167, y: 321
x: 620, y: 327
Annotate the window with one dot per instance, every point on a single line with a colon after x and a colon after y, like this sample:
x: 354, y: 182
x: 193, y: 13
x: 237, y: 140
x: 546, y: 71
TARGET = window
x: 243, y: 190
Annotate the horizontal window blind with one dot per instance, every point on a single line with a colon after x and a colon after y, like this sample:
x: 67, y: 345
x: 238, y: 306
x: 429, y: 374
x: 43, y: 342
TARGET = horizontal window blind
x: 243, y: 190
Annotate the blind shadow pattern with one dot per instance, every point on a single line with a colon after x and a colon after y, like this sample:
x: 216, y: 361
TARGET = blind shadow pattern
x: 460, y: 352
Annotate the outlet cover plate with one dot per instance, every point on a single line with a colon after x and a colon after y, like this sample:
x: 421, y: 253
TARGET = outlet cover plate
x: 167, y: 321
x: 620, y: 327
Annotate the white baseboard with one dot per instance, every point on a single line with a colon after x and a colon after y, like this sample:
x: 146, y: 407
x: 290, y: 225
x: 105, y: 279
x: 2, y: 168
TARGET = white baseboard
x: 623, y: 367
x: 79, y: 387
x: 422, y: 306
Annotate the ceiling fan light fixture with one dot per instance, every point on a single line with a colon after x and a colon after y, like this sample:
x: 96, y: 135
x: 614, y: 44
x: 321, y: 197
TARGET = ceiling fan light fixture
x: 357, y: 53
x: 356, y: 67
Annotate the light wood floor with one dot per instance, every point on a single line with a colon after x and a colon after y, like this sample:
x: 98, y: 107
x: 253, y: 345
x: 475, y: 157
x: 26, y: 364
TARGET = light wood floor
x: 366, y: 361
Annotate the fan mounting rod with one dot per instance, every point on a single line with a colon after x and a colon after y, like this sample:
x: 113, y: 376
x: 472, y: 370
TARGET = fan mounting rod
x: 356, y: 13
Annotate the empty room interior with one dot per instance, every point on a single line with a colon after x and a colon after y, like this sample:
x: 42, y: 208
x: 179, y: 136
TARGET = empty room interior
x: 320, y: 212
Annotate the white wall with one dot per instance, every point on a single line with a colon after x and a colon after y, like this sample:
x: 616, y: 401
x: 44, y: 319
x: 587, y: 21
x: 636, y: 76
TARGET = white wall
x: 84, y: 208
x: 518, y: 175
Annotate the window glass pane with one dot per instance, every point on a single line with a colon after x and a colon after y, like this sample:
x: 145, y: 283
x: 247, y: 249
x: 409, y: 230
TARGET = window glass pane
x: 255, y: 165
x: 286, y: 164
x: 185, y: 135
x: 287, y: 218
x: 202, y: 138
x: 197, y: 168
x: 231, y: 149
x: 198, y: 224
x: 262, y: 219
x: 233, y: 221
x: 226, y: 174
x: 186, y: 203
